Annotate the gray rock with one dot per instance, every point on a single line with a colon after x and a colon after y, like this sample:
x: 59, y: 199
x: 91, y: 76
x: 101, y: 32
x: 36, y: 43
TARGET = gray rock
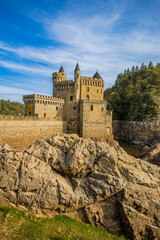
x: 151, y: 154
x: 95, y: 182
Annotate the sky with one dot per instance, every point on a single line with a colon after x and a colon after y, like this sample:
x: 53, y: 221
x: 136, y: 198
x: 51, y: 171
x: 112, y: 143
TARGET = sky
x: 38, y: 36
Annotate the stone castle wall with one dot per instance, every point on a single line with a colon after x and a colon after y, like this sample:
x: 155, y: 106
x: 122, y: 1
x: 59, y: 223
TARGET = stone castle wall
x: 20, y: 132
x: 95, y: 123
x: 142, y: 133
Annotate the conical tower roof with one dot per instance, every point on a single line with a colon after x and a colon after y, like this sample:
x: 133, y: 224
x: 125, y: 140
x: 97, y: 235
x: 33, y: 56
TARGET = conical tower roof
x: 77, y: 68
x: 61, y: 69
x: 96, y: 75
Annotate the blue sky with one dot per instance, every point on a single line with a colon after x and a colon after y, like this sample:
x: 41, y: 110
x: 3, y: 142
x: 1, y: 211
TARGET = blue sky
x: 37, y: 36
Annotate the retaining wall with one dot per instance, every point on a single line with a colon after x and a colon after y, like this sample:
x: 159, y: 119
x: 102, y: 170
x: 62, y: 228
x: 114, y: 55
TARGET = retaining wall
x: 20, y: 132
x: 142, y: 133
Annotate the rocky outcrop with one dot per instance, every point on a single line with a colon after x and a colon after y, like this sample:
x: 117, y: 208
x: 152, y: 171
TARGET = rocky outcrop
x: 151, y: 154
x: 91, y: 181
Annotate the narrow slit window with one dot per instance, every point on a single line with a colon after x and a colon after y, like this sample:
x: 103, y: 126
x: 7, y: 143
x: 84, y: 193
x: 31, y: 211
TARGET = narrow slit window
x: 71, y: 98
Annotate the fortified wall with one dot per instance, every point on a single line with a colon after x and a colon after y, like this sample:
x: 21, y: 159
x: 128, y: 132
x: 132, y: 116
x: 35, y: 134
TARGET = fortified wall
x: 77, y: 106
x: 142, y: 133
x: 80, y: 102
x: 20, y: 132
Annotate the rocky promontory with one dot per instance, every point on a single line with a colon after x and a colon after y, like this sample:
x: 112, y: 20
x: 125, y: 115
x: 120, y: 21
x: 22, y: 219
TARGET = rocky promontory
x: 95, y: 182
x: 151, y: 154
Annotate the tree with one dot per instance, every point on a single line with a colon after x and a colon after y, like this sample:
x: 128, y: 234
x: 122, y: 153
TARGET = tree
x: 136, y: 93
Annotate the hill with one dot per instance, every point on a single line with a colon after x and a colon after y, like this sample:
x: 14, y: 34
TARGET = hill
x: 136, y: 94
x: 15, y: 224
x: 11, y: 108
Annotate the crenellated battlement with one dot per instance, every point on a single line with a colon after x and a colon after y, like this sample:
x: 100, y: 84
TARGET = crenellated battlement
x: 42, y: 99
x: 79, y: 101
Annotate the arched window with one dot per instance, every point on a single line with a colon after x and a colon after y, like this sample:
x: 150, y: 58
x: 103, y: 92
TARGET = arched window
x: 57, y: 108
x: 91, y: 107
x: 97, y: 90
x: 71, y: 98
x: 87, y: 97
x: 87, y: 89
x: 102, y: 109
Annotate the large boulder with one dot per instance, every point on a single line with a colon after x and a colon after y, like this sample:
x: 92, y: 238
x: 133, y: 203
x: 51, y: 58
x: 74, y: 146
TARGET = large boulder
x: 151, y: 154
x: 94, y: 182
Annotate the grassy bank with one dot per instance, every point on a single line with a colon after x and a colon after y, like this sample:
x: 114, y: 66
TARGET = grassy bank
x: 16, y: 225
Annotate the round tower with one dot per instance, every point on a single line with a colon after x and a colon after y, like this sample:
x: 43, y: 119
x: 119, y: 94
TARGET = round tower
x: 77, y: 82
x: 58, y: 77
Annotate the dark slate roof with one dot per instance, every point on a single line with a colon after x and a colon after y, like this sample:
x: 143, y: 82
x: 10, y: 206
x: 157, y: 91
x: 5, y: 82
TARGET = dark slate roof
x: 61, y: 69
x: 77, y: 68
x: 96, y: 75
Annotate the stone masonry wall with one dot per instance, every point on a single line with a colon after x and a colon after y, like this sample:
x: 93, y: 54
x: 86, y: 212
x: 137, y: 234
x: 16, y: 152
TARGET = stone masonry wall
x: 95, y: 123
x: 142, y: 133
x: 20, y: 133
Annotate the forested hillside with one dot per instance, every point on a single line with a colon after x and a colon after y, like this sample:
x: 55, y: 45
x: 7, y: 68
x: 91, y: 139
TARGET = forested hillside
x: 11, y: 108
x: 136, y: 94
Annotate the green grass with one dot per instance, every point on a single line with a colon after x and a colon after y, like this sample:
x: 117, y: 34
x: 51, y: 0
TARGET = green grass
x: 17, y: 225
x: 71, y: 144
x: 91, y: 153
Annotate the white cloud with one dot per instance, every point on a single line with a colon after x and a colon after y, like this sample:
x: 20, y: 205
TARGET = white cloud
x: 92, y: 41
x: 37, y: 69
x: 12, y: 90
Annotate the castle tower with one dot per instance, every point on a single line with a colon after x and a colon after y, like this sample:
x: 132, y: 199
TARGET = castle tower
x: 58, y: 77
x: 77, y: 82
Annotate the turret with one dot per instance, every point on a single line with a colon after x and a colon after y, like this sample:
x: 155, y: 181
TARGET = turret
x: 77, y: 82
x: 58, y: 77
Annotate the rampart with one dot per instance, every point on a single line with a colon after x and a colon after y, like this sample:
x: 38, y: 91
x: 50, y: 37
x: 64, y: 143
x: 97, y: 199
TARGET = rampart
x: 142, y: 133
x: 20, y: 132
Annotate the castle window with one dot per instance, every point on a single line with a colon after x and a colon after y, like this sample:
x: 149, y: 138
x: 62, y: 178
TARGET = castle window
x: 77, y: 75
x: 87, y: 89
x: 56, y: 108
x: 74, y: 107
x: 71, y: 98
x: 91, y: 107
x: 102, y: 109
x: 87, y: 97
x: 97, y: 90
x: 45, y: 115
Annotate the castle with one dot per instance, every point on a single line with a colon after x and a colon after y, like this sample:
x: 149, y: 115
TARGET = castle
x: 79, y: 102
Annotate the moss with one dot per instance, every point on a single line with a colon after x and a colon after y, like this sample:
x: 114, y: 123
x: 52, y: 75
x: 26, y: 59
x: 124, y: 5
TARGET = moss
x: 71, y: 144
x: 91, y: 152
